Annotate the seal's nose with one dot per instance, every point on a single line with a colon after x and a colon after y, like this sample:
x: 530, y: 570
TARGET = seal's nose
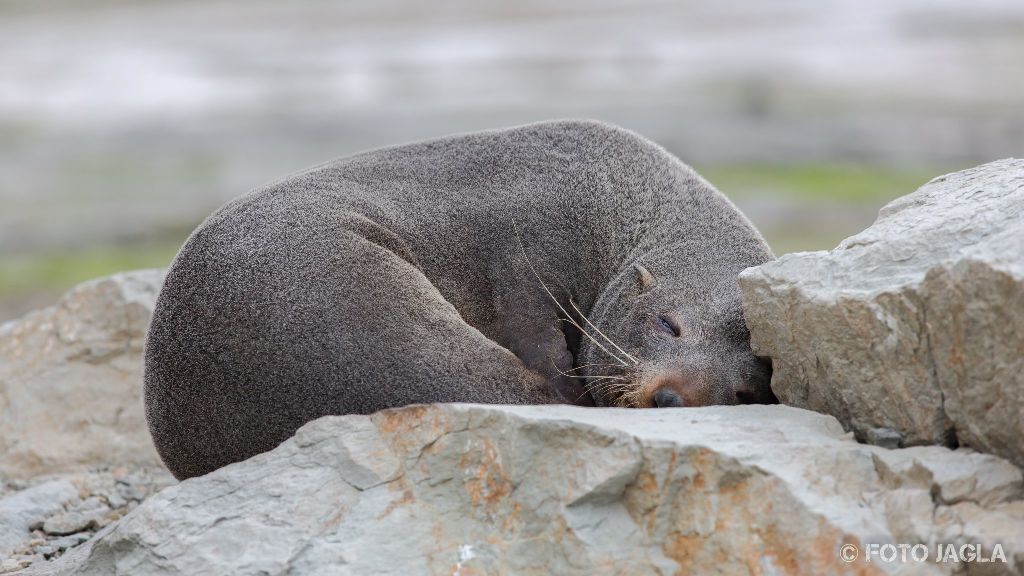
x: 678, y: 390
x: 667, y: 398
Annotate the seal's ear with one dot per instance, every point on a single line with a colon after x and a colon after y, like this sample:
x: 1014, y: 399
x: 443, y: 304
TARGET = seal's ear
x: 647, y: 280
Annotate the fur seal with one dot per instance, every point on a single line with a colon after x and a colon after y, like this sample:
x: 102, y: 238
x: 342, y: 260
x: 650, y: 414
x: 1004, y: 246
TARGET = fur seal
x: 565, y: 261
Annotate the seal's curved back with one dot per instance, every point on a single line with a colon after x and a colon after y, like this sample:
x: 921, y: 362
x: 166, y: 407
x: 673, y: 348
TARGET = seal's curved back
x: 394, y: 277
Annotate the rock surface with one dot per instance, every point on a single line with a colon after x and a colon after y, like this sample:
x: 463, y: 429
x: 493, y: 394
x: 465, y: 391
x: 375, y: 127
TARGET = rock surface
x: 469, y: 489
x: 23, y: 509
x: 71, y: 380
x: 911, y: 332
x: 41, y: 520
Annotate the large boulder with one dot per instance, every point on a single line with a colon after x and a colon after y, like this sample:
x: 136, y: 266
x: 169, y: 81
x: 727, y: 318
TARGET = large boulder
x: 470, y: 489
x: 911, y: 332
x: 71, y: 380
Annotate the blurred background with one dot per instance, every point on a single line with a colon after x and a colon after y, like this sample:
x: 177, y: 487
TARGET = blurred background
x: 124, y: 124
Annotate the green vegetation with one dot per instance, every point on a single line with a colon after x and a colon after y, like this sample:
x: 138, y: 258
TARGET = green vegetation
x: 54, y: 272
x: 837, y: 182
x: 813, y: 208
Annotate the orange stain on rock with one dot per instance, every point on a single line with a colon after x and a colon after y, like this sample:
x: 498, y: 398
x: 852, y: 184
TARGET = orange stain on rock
x: 405, y: 499
x: 410, y: 428
x: 488, y: 484
x: 741, y: 502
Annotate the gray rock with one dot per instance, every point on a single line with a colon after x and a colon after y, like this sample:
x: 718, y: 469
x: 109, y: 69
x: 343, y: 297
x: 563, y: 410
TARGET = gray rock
x: 21, y: 510
x: 467, y: 489
x: 915, y: 324
x: 71, y: 380
x: 34, y: 519
x: 884, y: 437
x: 12, y: 564
x: 74, y: 521
x: 115, y: 500
x: 69, y: 541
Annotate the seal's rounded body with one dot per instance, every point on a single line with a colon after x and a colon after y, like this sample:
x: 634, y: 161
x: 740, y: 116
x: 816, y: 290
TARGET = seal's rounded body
x: 444, y: 271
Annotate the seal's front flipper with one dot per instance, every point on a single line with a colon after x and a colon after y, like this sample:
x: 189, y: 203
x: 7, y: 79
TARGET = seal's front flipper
x: 543, y: 349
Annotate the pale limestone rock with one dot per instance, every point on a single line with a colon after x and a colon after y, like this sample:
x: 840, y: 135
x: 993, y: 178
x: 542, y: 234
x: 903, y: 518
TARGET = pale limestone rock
x: 912, y: 331
x: 23, y: 509
x: 470, y: 489
x: 71, y: 380
x: 61, y: 511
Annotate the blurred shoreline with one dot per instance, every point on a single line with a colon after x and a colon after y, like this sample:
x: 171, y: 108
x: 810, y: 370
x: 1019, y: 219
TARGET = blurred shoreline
x: 123, y: 124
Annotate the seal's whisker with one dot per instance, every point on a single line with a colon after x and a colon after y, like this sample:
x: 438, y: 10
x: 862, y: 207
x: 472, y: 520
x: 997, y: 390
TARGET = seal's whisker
x: 591, y: 338
x: 591, y: 390
x: 622, y: 395
x: 616, y: 386
x: 582, y: 367
x: 515, y: 228
x: 570, y: 375
x: 610, y: 386
x: 632, y: 397
x: 603, y: 335
x: 603, y: 380
x: 567, y: 372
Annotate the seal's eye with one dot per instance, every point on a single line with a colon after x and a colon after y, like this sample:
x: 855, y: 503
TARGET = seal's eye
x: 667, y: 326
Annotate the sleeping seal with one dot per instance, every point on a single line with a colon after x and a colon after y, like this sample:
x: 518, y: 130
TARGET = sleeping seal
x: 563, y: 261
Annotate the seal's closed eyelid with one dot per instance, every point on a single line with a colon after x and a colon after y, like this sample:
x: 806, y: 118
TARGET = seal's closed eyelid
x: 667, y: 325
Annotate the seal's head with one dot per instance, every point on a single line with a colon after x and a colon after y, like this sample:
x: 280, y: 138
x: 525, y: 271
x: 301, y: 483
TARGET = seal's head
x: 673, y: 338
